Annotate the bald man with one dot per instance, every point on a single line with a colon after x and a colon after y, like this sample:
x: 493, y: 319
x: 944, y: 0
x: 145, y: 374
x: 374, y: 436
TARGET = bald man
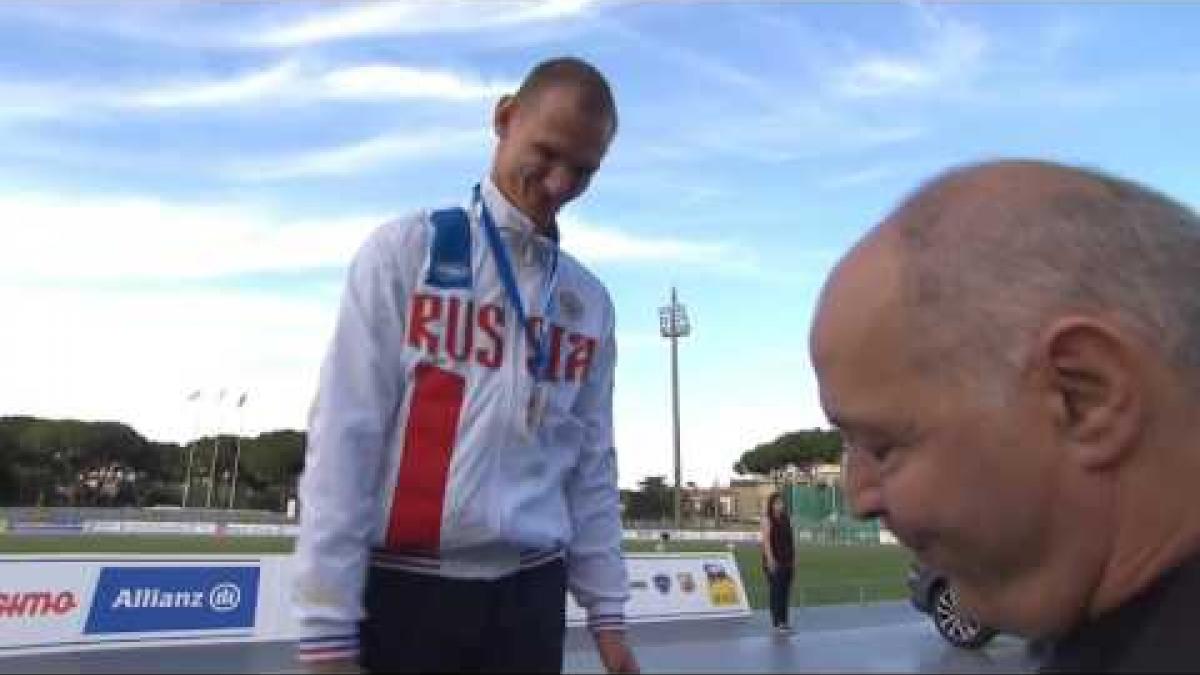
x: 1013, y: 358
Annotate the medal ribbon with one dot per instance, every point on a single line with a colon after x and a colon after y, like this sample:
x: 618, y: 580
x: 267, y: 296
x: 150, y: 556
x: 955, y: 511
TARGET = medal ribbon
x: 536, y: 342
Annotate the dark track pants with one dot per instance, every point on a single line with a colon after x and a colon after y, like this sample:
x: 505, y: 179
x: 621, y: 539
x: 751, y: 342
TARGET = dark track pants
x: 780, y: 583
x: 419, y: 623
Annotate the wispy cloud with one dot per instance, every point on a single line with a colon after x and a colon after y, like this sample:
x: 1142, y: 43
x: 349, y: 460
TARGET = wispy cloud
x: 132, y: 355
x: 375, y: 82
x: 289, y: 81
x: 759, y: 88
x: 63, y: 241
x: 170, y: 24
x: 866, y: 176
x: 949, y: 51
x: 603, y: 244
x: 414, y: 18
x: 363, y: 155
x: 787, y: 135
x: 278, y: 79
x: 780, y: 116
x: 50, y: 238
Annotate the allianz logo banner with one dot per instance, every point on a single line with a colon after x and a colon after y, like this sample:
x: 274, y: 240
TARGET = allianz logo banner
x: 150, y: 599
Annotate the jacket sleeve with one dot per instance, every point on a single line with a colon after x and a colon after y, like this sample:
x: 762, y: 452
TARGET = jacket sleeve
x: 358, y: 392
x: 596, y: 573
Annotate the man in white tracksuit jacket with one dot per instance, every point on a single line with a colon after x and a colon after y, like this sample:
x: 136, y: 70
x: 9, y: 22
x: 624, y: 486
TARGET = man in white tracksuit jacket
x: 460, y: 474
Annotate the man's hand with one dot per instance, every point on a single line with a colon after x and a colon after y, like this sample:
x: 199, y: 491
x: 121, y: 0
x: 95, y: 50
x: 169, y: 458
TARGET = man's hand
x: 334, y: 666
x: 615, y: 653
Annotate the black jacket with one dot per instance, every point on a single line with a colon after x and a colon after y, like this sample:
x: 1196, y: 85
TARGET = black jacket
x: 1157, y: 630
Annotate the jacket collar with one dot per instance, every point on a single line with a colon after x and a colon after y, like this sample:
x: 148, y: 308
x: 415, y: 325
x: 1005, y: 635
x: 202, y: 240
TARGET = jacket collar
x: 506, y: 215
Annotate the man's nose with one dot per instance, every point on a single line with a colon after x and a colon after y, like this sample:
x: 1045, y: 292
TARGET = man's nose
x: 864, y: 494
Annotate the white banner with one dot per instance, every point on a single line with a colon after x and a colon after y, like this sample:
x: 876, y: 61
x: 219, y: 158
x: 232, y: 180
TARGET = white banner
x: 43, y: 602
x: 169, y: 527
x: 667, y: 586
x: 147, y: 527
x: 253, y: 529
x: 69, y: 602
x: 694, y: 535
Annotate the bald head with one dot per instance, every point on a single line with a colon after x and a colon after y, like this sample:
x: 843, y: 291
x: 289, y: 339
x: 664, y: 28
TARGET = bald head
x: 1012, y: 358
x: 991, y: 251
x: 592, y: 91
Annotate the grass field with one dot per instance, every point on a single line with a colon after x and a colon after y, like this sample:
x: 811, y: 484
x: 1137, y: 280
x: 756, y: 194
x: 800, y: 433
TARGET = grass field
x: 825, y: 574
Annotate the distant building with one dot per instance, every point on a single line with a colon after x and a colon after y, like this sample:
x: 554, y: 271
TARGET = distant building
x: 826, y: 474
x: 750, y: 497
x: 744, y: 500
x: 750, y: 494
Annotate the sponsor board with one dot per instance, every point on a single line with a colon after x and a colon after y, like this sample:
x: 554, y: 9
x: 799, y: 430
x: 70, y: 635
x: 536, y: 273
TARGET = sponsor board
x: 24, y: 604
x: 254, y: 529
x: 42, y: 602
x: 694, y: 535
x: 669, y: 586
x: 69, y: 602
x: 157, y: 527
x: 45, y: 526
x: 151, y: 599
x: 147, y: 527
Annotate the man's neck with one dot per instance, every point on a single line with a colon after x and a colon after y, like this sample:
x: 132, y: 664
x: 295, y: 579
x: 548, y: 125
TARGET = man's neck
x: 539, y: 227
x: 1152, y: 536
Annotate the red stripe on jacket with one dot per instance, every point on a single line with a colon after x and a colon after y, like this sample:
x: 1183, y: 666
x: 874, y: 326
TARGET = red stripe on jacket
x: 416, y: 519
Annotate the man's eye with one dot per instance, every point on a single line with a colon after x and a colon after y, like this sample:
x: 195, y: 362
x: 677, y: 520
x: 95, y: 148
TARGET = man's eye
x: 879, y: 451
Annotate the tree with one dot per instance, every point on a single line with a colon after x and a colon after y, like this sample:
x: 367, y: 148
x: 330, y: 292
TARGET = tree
x: 652, y: 501
x: 73, y: 462
x: 271, y: 464
x: 800, y: 448
x: 8, y: 465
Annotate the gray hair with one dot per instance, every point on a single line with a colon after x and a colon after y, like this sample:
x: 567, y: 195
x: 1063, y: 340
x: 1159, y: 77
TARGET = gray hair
x: 983, y: 275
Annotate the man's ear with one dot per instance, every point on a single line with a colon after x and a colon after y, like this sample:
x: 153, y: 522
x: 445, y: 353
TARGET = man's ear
x: 506, y: 107
x: 1097, y: 380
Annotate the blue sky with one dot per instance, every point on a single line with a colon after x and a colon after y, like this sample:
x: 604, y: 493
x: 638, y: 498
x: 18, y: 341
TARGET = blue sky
x: 183, y: 183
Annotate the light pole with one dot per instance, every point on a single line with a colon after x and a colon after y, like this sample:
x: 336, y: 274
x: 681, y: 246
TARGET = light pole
x: 194, y: 397
x: 212, y: 472
x: 673, y: 324
x: 237, y: 458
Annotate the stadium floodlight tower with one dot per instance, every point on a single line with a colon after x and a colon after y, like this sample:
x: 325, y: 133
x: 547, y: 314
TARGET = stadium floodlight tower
x: 673, y: 324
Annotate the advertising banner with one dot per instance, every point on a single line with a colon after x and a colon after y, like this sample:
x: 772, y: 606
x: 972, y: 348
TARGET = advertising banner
x: 102, y: 526
x: 42, y: 602
x: 72, y: 602
x: 693, y: 535
x: 57, y: 526
x: 667, y: 586
x: 254, y: 529
x: 56, y: 602
x: 165, y: 527
x: 152, y: 599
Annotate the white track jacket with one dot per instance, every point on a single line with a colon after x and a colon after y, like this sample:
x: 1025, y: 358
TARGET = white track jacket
x: 419, y: 453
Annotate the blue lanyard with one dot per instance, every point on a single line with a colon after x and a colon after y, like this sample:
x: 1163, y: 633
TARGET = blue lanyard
x: 504, y: 265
